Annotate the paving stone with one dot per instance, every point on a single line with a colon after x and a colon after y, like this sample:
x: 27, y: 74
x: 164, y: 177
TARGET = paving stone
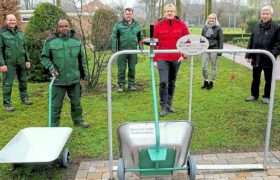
x: 210, y: 157
x: 261, y: 173
x: 97, y: 163
x: 92, y: 169
x: 84, y: 165
x: 276, y: 154
x: 273, y: 172
x: 254, y: 178
x: 248, y: 161
x: 102, y: 169
x: 94, y: 176
x: 243, y: 174
x: 272, y: 178
x: 82, y: 174
x: 229, y: 175
x: 251, y: 155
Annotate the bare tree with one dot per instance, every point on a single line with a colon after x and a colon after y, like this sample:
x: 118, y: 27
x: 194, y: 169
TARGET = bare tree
x: 95, y: 37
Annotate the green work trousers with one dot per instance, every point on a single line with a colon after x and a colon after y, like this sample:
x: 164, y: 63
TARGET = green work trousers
x: 8, y: 78
x: 58, y: 94
x: 129, y: 60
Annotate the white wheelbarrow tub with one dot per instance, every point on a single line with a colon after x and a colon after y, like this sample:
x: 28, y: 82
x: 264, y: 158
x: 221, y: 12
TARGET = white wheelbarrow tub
x: 35, y: 145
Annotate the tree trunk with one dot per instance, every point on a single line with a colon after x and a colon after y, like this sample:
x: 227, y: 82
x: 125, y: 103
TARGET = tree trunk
x: 178, y: 7
x: 207, y: 8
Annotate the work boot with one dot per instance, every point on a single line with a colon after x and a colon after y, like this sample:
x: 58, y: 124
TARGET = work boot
x: 82, y: 124
x: 131, y: 88
x: 163, y: 112
x: 266, y: 100
x: 120, y: 89
x: 205, y: 85
x: 210, y: 86
x: 8, y: 106
x: 26, y: 101
x: 251, y: 98
x: 171, y: 109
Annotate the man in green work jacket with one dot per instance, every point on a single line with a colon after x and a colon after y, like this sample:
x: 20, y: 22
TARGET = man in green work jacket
x: 13, y: 59
x: 126, y: 36
x: 63, y: 56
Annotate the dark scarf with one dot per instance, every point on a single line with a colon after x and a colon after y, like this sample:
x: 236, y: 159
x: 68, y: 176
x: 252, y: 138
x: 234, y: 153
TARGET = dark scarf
x: 265, y: 25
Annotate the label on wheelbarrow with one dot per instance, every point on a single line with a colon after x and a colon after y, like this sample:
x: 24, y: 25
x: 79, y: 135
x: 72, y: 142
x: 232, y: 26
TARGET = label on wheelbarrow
x: 192, y: 44
x: 142, y: 131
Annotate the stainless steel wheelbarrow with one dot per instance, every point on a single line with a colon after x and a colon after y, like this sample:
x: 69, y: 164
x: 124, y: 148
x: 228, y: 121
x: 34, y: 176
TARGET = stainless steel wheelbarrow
x: 36, y: 145
x: 136, y: 140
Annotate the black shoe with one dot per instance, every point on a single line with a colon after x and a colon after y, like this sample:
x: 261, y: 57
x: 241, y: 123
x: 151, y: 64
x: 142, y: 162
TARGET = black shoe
x: 205, y: 85
x: 26, y: 101
x: 210, y: 86
x: 82, y: 124
x: 171, y: 109
x: 163, y: 112
x: 8, y: 106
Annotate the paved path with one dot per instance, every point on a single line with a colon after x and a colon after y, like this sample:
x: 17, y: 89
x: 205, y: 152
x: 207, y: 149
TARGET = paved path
x: 98, y: 170
x: 240, y: 58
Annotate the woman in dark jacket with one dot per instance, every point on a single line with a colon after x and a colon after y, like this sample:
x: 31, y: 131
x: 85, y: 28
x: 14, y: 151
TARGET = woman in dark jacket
x: 214, y: 33
x: 168, y: 30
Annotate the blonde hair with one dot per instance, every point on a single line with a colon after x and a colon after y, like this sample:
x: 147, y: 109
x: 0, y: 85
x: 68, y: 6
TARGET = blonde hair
x: 214, y: 16
x: 172, y: 6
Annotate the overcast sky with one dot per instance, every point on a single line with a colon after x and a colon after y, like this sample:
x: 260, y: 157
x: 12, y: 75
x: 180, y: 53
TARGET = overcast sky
x: 128, y: 3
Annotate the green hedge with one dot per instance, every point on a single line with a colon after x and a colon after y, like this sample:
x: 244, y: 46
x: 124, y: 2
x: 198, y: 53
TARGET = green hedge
x: 41, y: 25
x: 240, y: 39
x: 251, y: 23
x: 230, y: 37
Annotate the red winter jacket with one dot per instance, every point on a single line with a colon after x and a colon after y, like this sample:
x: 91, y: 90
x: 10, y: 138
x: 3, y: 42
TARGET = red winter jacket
x: 168, y: 32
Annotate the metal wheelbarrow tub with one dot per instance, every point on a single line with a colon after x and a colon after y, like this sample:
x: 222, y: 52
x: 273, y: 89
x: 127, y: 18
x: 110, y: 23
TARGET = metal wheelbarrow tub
x: 136, y: 139
x: 37, y: 145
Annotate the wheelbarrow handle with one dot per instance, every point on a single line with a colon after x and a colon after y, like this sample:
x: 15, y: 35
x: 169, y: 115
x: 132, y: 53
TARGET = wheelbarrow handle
x: 50, y: 101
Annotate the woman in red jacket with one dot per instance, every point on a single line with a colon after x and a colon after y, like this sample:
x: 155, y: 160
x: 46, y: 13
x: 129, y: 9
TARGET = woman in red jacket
x: 168, y: 30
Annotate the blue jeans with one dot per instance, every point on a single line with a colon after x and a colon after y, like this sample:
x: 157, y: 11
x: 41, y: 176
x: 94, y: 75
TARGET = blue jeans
x: 168, y: 71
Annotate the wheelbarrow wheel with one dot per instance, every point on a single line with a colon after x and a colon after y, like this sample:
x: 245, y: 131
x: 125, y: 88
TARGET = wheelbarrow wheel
x: 191, y: 167
x: 121, y: 173
x: 65, y: 159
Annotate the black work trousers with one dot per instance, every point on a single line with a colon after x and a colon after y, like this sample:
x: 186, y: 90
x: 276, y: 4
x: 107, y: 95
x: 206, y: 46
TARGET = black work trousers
x: 257, y: 71
x: 168, y: 71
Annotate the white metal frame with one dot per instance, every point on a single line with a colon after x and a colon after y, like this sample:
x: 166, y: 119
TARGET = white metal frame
x: 224, y: 166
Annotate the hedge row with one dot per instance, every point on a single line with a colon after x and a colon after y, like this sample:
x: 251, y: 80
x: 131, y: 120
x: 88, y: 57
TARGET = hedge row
x: 230, y: 37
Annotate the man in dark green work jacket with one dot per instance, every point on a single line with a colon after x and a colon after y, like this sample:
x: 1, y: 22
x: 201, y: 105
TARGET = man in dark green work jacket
x: 63, y: 56
x: 13, y: 59
x: 126, y: 36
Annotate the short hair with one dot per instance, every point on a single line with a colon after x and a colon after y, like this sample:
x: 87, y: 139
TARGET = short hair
x: 6, y: 17
x: 170, y: 6
x: 214, y: 16
x: 267, y: 8
x: 128, y: 9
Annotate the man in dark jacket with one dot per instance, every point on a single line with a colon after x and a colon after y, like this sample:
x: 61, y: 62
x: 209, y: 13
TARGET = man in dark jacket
x: 13, y: 59
x: 126, y: 36
x: 63, y: 56
x: 266, y: 36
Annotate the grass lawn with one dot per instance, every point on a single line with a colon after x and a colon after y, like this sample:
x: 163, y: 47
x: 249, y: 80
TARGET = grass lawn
x: 223, y: 121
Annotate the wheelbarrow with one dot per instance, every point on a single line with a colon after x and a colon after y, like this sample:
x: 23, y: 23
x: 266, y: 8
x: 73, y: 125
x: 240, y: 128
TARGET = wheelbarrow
x: 151, y: 149
x: 38, y: 145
